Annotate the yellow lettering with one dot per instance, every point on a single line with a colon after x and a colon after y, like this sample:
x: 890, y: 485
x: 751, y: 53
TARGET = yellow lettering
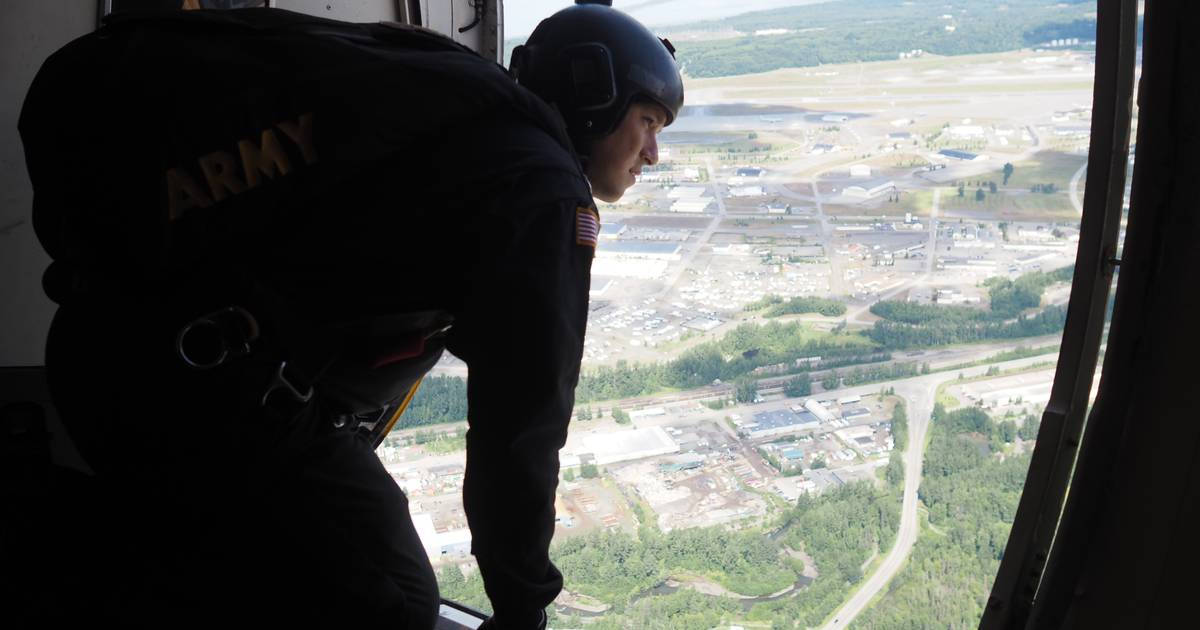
x: 220, y: 172
x: 302, y: 134
x: 183, y: 193
x: 270, y: 160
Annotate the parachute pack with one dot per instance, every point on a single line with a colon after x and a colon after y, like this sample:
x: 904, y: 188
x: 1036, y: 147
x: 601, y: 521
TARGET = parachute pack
x: 167, y: 139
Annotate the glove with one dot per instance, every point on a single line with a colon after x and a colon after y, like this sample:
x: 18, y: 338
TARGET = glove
x: 492, y: 624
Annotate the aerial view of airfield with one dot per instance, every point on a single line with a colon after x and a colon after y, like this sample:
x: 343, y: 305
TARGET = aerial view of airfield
x: 823, y: 327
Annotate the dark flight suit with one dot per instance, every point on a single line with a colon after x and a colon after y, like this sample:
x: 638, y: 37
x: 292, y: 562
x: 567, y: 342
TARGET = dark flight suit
x: 229, y: 511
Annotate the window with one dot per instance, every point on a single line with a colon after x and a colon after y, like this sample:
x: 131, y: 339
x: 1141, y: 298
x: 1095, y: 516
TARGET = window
x: 825, y: 325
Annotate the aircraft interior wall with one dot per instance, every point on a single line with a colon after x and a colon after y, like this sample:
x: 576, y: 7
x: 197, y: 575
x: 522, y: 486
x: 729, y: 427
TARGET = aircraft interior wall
x: 29, y: 31
x: 1128, y: 553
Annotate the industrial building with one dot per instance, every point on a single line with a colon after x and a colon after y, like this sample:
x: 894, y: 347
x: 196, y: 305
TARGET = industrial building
x: 611, y: 231
x: 618, y: 446
x: 819, y: 410
x: 768, y: 423
x: 870, y: 188
x: 453, y: 543
x: 959, y: 155
x: 640, y: 249
x: 746, y: 191
x: 692, y: 205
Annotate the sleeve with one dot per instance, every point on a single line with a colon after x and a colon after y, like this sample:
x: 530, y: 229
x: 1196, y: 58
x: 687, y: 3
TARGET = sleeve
x: 521, y: 334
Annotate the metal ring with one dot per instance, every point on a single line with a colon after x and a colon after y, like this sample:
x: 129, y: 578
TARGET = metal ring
x: 179, y: 339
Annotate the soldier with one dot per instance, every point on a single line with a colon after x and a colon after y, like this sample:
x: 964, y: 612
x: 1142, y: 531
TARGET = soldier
x: 259, y: 249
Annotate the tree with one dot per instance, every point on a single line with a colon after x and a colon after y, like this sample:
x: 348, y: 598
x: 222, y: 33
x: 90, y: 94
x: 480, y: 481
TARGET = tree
x: 962, y: 191
x: 894, y: 473
x: 620, y: 416
x: 589, y: 471
x: 569, y: 475
x: 992, y: 187
x: 1008, y: 171
x: 819, y: 462
x: 1029, y: 428
x: 799, y: 386
x: 979, y: 194
x: 1008, y: 431
x: 746, y: 390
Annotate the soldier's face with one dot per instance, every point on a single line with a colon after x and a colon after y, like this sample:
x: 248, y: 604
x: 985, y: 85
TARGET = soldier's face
x: 617, y: 158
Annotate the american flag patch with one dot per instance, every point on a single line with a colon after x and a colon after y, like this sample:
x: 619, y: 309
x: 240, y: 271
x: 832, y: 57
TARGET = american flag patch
x: 587, y: 226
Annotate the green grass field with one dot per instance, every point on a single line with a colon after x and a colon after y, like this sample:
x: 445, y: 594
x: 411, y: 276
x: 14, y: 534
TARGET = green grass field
x: 1017, y: 206
x: 1046, y: 167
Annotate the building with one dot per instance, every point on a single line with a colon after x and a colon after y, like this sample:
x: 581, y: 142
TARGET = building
x: 746, y: 191
x: 612, y: 231
x: 454, y: 542
x: 749, y: 171
x: 691, y: 206
x: 680, y: 463
x: 778, y: 422
x: 820, y: 411
x: 854, y: 413
x: 657, y: 250
x: 860, y: 170
x: 870, y: 188
x: 704, y: 324
x: 792, y: 459
x: 959, y: 155
x: 617, y: 446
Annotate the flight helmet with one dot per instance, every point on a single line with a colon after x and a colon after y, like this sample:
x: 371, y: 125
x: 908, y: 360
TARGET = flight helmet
x: 592, y: 61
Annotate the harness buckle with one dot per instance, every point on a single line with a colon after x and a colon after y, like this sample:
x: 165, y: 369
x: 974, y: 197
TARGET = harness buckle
x: 210, y: 340
x: 280, y: 381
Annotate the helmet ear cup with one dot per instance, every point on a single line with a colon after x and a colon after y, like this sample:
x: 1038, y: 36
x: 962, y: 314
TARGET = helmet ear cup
x: 519, y: 65
x: 590, y: 68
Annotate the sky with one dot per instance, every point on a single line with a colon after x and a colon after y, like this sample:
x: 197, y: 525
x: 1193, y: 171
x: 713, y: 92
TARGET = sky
x: 521, y: 16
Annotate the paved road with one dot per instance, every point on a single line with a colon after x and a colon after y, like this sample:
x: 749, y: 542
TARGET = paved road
x: 702, y: 240
x: 855, y: 316
x: 919, y: 392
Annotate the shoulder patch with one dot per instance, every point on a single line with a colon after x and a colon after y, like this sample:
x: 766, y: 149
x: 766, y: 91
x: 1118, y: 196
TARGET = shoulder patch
x: 587, y: 226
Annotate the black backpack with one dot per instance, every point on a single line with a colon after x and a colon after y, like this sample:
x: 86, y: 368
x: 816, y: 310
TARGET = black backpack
x: 171, y: 141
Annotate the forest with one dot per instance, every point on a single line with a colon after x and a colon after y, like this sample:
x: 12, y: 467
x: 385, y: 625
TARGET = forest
x: 971, y: 488
x: 737, y: 354
x: 439, y: 399
x: 777, y: 306
x: 876, y: 30
x: 971, y: 484
x: 909, y: 325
